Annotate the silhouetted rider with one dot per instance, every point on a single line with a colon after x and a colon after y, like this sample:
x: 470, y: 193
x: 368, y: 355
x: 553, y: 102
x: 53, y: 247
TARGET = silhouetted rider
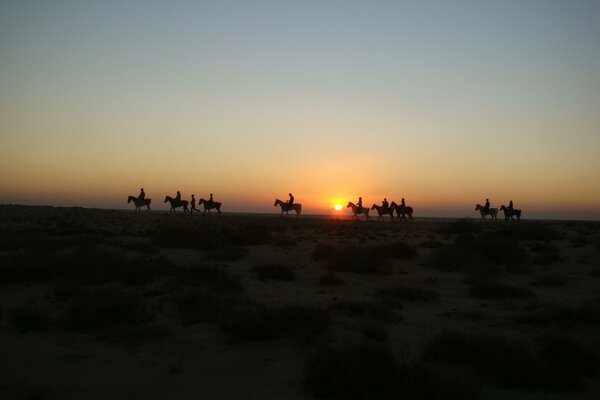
x: 291, y: 201
x: 385, y: 204
x: 510, y: 205
x: 142, y: 195
x: 210, y: 200
x: 178, y: 197
x: 402, y: 203
x: 193, y: 203
x: 359, y: 204
x: 486, y: 208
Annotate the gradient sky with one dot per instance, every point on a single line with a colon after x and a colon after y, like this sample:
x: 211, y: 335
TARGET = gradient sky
x: 443, y: 103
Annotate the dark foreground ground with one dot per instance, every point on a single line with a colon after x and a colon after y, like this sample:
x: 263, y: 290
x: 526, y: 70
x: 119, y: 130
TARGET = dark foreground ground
x: 101, y: 304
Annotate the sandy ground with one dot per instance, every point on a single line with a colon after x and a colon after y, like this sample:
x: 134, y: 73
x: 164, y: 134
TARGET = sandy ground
x: 559, y: 264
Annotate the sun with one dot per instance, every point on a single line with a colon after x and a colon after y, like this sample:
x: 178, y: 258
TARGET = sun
x: 337, y: 207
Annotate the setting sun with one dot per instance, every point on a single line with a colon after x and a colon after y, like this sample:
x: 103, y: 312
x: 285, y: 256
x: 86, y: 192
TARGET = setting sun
x: 337, y: 207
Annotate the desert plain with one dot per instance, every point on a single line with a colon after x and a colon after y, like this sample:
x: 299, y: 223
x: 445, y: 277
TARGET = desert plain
x: 109, y: 304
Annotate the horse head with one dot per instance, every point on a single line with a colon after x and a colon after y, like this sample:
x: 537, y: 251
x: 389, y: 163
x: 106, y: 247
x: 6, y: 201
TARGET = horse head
x: 374, y: 206
x: 275, y: 204
x: 478, y: 207
x: 167, y: 198
x: 393, y: 205
x: 350, y: 204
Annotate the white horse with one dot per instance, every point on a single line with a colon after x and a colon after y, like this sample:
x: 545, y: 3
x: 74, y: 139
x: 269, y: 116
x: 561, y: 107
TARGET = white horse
x: 139, y: 203
x: 356, y: 212
x: 493, y: 212
x: 285, y: 206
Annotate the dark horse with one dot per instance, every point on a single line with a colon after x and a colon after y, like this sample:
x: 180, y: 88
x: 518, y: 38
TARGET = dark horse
x: 510, y: 214
x: 383, y: 211
x: 402, y: 211
x: 208, y: 205
x: 139, y: 203
x: 285, y: 207
x: 175, y: 204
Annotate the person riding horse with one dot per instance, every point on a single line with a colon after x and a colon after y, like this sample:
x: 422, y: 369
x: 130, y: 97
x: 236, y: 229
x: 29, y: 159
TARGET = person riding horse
x: 359, y: 205
x: 384, y: 204
x: 142, y: 195
x: 178, y: 197
x: 402, y: 203
x: 510, y: 206
x: 193, y: 203
x: 291, y: 201
x: 486, y: 207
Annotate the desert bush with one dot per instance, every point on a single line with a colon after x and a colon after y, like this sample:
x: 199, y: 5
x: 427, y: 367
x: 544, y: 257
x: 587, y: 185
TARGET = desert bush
x: 356, y: 372
x: 258, y: 322
x: 402, y: 292
x: 494, y: 290
x: 98, y: 309
x: 279, y: 272
x: 29, y: 318
x: 329, y: 279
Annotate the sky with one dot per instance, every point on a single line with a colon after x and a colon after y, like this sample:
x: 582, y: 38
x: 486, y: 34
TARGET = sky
x: 444, y: 103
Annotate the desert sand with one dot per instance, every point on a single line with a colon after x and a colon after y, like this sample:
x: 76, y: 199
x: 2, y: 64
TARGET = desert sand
x: 98, y: 304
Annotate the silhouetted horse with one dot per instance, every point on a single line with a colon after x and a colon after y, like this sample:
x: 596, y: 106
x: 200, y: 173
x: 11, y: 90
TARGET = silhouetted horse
x: 209, y: 205
x: 285, y: 206
x: 509, y: 214
x: 402, y: 211
x: 493, y: 212
x: 139, y: 203
x: 383, y: 211
x: 356, y: 212
x: 175, y: 204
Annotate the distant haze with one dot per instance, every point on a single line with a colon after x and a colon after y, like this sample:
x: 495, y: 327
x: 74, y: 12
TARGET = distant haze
x: 442, y: 103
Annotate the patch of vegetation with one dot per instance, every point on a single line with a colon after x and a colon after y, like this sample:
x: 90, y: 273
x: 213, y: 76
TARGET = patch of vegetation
x: 279, y: 272
x: 497, y: 291
x: 324, y: 251
x: 29, y: 318
x: 500, y: 250
x: 402, y: 292
x: 397, y: 250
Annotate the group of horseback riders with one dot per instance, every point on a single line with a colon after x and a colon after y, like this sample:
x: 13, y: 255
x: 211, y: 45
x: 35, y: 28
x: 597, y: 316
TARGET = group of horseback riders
x: 384, y: 204
x: 176, y: 201
x: 509, y: 212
